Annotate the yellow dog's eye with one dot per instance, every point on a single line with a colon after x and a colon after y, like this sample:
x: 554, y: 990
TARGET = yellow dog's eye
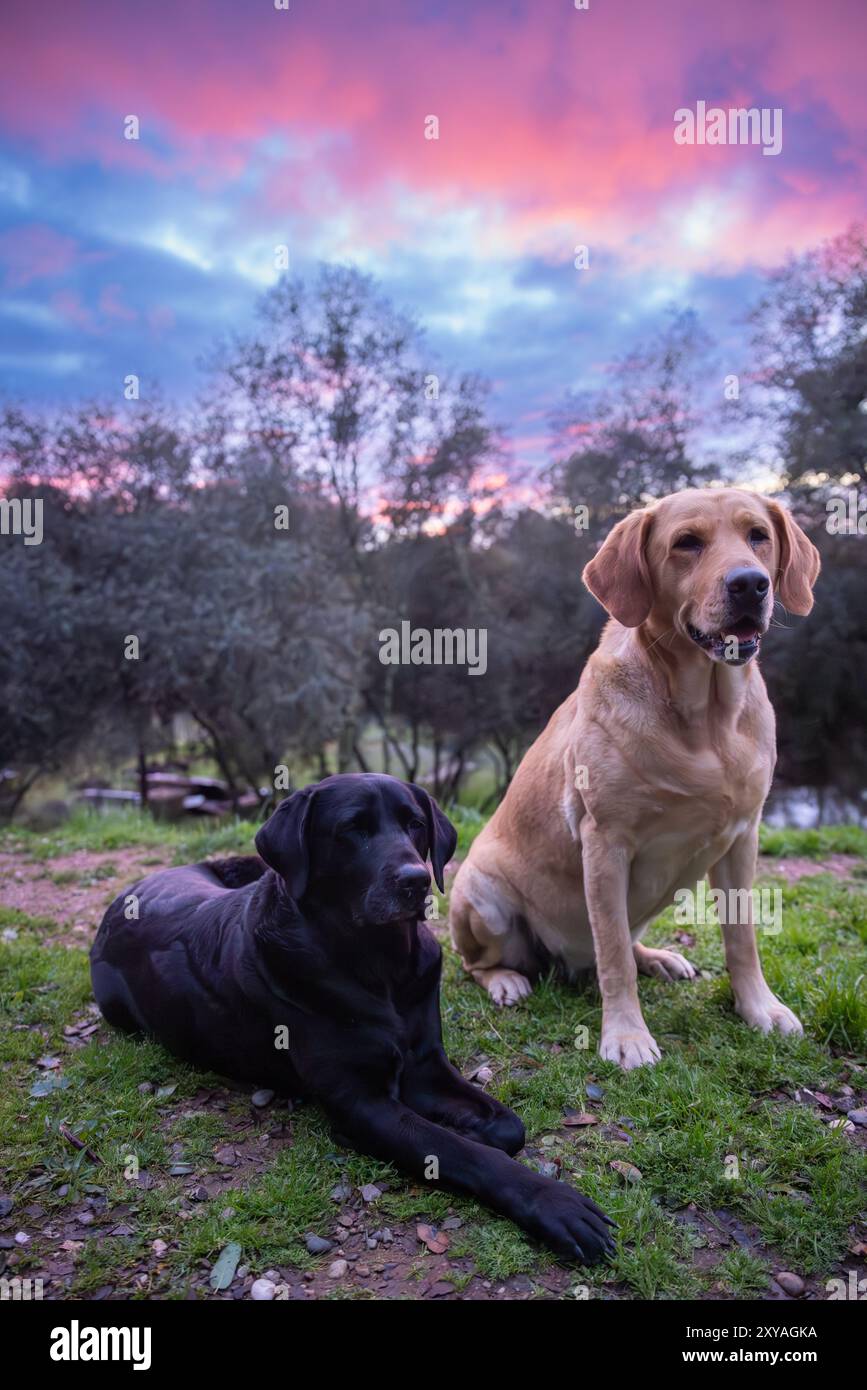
x: 688, y: 542
x: 757, y: 535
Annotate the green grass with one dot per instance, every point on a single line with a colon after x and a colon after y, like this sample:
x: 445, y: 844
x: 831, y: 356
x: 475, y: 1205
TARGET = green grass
x: 720, y: 1090
x: 129, y: 828
x: 813, y: 844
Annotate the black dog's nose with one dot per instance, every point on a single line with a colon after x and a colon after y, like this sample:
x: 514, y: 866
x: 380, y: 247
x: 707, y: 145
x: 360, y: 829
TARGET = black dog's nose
x: 747, y: 585
x: 413, y: 879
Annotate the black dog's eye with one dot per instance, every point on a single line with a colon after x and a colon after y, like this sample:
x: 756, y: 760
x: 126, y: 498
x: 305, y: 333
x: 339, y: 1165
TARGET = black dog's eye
x: 416, y: 824
x: 688, y: 542
x: 757, y: 535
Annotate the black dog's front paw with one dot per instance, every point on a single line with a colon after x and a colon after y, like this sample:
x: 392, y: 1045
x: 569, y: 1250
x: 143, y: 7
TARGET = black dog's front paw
x: 567, y: 1222
x: 499, y: 1128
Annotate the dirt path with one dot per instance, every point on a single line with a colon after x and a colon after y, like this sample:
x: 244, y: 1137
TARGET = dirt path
x: 73, y: 890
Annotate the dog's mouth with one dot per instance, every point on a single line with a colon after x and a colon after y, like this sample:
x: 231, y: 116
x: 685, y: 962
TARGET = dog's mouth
x: 735, y: 644
x: 377, y: 912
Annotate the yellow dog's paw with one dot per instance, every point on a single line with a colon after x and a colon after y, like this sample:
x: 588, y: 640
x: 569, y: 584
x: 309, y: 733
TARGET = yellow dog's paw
x: 628, y: 1047
x: 507, y: 987
x: 666, y: 965
x: 768, y: 1014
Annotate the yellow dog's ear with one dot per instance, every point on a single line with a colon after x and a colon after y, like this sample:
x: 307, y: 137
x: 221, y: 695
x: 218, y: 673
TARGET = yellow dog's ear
x: 618, y: 575
x: 799, y: 562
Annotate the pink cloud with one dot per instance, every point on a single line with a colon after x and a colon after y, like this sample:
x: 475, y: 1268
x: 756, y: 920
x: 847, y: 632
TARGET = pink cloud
x: 560, y: 118
x: 35, y: 252
x: 112, y: 306
x: 68, y: 304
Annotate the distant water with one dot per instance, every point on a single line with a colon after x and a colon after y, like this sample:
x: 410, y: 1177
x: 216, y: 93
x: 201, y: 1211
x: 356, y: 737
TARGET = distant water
x: 806, y: 808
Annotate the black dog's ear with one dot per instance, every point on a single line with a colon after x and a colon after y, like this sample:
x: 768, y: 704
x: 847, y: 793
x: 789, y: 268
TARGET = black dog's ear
x: 283, y: 841
x: 442, y: 837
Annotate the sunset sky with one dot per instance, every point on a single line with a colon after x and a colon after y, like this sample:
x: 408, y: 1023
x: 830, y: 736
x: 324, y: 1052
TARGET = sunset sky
x: 306, y: 126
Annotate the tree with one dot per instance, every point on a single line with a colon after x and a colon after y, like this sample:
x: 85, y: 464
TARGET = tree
x: 620, y: 447
x: 342, y: 386
x: 810, y: 341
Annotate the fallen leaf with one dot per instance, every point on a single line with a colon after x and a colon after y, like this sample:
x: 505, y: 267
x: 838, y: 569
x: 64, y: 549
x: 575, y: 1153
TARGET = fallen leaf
x: 224, y: 1268
x: 436, y: 1241
x: 584, y: 1118
x: 48, y: 1084
x: 121, y: 1230
x: 824, y: 1100
x: 627, y: 1171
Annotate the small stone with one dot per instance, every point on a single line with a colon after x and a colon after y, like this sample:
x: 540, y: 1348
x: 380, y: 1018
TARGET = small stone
x: 200, y: 1194
x: 792, y: 1284
x: 159, y: 1247
x: 387, y: 1237
x: 145, y: 1088
x: 858, y: 1117
x: 593, y: 1092
x: 338, y: 1269
x: 260, y: 1099
x: 273, y: 1275
x: 317, y: 1245
x: 263, y: 1290
x: 6, y: 1205
x: 21, y: 1237
x: 483, y: 1076
x: 227, y: 1213
x: 371, y: 1243
x: 340, y: 1192
x: 363, y: 1270
x: 370, y: 1192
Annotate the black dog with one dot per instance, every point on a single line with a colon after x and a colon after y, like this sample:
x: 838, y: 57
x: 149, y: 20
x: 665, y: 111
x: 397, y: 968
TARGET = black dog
x: 317, y: 976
